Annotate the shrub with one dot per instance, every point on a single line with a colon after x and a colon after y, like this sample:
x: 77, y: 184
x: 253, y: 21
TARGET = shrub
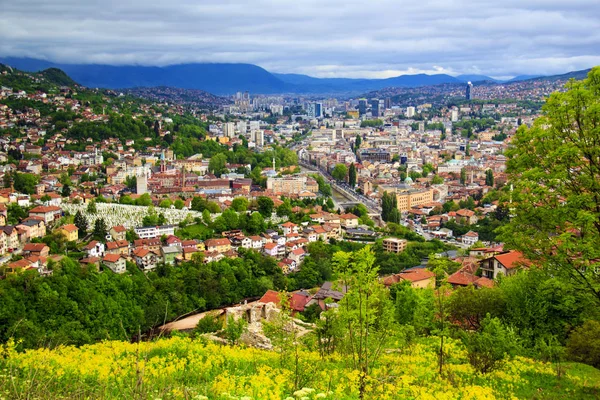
x: 208, y: 324
x: 584, y: 344
x: 488, y: 348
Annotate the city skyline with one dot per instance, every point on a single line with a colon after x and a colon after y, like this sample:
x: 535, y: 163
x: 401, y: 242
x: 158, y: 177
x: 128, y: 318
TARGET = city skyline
x: 349, y: 39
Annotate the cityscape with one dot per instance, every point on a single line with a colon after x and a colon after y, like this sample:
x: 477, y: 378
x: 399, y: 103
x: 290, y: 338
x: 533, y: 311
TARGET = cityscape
x: 244, y: 223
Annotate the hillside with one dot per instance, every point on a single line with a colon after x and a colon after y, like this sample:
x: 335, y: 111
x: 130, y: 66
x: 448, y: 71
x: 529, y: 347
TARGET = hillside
x: 182, y: 368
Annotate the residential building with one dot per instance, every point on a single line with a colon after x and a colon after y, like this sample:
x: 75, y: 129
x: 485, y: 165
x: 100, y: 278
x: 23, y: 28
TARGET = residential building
x: 394, y: 245
x: 47, y: 213
x: 149, y: 232
x: 506, y: 263
x: 115, y: 262
x: 219, y: 245
x: 70, y: 231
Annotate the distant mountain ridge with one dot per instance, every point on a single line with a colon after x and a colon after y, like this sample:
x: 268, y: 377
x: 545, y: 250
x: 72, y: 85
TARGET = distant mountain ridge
x: 225, y: 79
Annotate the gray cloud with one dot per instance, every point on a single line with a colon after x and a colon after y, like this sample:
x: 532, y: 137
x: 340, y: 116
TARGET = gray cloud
x: 377, y: 38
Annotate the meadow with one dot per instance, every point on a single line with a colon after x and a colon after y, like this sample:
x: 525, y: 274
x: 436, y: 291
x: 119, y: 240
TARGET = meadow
x: 184, y: 368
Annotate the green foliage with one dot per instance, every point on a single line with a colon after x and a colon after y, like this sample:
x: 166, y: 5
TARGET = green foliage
x: 25, y: 183
x: 217, y: 164
x: 414, y: 307
x: 555, y: 172
x: 352, y: 175
x: 389, y: 208
x: 488, y: 348
x: 584, y: 344
x: 208, y: 324
x: 371, y: 123
x: 234, y: 329
x: 100, y: 229
x: 265, y: 206
x: 489, y: 177
x: 81, y: 223
x: 239, y: 204
x: 339, y: 172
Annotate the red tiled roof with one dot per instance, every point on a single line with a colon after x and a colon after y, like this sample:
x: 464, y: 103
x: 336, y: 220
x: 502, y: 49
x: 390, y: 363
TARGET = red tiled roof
x: 112, y: 258
x: 270, y: 296
x: 415, y: 275
x: 461, y: 278
x: 484, y: 282
x: 512, y: 259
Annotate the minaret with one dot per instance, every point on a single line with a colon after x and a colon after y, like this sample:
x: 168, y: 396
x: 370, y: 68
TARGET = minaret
x: 273, y: 163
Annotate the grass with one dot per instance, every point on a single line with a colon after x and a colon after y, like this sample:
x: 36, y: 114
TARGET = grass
x: 196, y: 231
x: 183, y: 368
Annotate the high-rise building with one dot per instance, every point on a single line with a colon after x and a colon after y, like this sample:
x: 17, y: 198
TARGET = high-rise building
x: 141, y: 186
x: 454, y: 115
x: 315, y: 110
x: 410, y: 112
x: 468, y: 91
x: 388, y: 103
x: 229, y: 129
x: 362, y: 107
x: 375, y: 107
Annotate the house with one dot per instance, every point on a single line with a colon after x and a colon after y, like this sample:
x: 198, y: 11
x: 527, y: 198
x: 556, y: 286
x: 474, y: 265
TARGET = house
x: 36, y: 249
x: 48, y: 213
x: 188, y: 252
x: 170, y: 254
x: 271, y: 250
x: 394, y: 245
x: 115, y: 262
x: 289, y: 227
x: 327, y: 292
x: 297, y: 255
x: 173, y: 240
x: 70, y: 231
x: 349, y: 220
x: 150, y: 244
x: 118, y: 247
x: 95, y: 249
x: 419, y: 278
x: 221, y: 245
x: 470, y: 238
x: 506, y: 263
x: 257, y: 242
x: 145, y: 259
x: 12, y: 238
x: 118, y: 232
x: 91, y: 261
x: 149, y: 232
x: 33, y: 228
x: 465, y: 216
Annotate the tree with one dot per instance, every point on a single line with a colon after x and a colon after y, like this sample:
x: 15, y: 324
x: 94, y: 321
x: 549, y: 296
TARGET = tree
x: 100, y: 229
x: 234, y: 329
x: 217, y: 164
x: 554, y: 167
x: 463, y: 176
x: 256, y: 223
x: 239, y: 204
x: 265, y: 206
x: 389, y: 203
x: 144, y: 200
x: 437, y: 180
x: 366, y: 311
x: 179, y: 204
x: 166, y: 203
x: 81, y: 223
x: 25, y: 183
x: 584, y: 344
x: 284, y: 209
x: 357, y: 143
x: 66, y: 191
x: 352, y: 175
x: 487, y: 348
x: 339, y: 172
x: 489, y: 177
x: 91, y: 208
x: 206, y: 217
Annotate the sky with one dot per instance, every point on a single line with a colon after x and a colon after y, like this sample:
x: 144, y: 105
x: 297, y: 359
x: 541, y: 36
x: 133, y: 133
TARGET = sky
x: 331, y: 38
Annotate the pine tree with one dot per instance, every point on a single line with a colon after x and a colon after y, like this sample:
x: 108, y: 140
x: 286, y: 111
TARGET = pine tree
x: 489, y: 177
x: 100, y: 229
x: 81, y: 223
x: 352, y: 175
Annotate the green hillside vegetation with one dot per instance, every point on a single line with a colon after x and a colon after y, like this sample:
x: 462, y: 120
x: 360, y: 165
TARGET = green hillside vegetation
x: 58, y: 77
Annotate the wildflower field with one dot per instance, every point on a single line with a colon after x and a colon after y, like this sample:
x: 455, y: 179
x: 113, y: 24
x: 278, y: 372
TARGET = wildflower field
x: 185, y: 368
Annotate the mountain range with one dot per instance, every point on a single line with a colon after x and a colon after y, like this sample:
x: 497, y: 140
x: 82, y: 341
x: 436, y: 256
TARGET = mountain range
x: 224, y: 79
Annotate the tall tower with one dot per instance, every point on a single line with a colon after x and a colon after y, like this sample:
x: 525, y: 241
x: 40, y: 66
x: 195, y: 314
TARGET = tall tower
x: 141, y: 186
x: 273, y: 163
x: 468, y: 91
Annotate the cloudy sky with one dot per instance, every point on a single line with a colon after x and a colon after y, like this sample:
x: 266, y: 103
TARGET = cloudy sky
x: 331, y: 38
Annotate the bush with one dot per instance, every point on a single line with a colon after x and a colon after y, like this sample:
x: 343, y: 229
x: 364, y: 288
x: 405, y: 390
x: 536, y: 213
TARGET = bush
x: 584, y: 344
x: 208, y: 324
x: 488, y: 348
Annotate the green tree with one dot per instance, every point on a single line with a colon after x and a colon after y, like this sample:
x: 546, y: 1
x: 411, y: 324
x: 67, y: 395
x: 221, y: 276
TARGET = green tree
x: 100, y: 229
x: 284, y: 209
x: 265, y: 206
x: 352, y: 175
x: 179, y: 204
x: 256, y: 223
x: 144, y: 200
x: 239, y: 204
x: 91, y: 208
x: 25, y: 183
x: 554, y: 167
x: 366, y: 311
x: 357, y: 143
x: 217, y: 164
x: 339, y: 172
x: 81, y: 223
x: 489, y: 177
x: 437, y: 180
x: 166, y: 203
x: 234, y: 329
x: 66, y: 191
x: 463, y: 176
x: 584, y: 344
